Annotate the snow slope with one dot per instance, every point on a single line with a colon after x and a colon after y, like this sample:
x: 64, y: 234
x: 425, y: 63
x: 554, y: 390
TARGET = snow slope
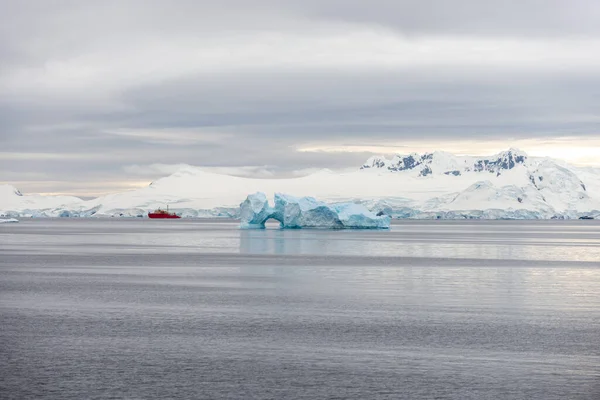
x: 509, y: 180
x: 14, y: 204
x: 432, y: 185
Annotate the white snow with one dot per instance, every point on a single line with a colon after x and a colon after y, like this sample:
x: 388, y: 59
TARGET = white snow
x: 14, y: 204
x: 307, y: 212
x: 505, y: 185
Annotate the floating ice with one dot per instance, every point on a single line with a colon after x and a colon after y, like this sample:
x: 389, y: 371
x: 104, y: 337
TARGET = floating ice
x: 3, y: 221
x: 307, y: 212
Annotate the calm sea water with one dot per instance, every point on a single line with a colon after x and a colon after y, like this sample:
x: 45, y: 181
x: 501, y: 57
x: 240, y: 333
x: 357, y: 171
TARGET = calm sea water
x: 146, y: 309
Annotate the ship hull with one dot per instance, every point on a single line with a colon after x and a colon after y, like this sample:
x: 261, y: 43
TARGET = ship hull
x: 163, y: 216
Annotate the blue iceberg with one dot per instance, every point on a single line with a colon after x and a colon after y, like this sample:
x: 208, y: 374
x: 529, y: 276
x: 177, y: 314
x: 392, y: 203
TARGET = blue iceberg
x: 307, y: 212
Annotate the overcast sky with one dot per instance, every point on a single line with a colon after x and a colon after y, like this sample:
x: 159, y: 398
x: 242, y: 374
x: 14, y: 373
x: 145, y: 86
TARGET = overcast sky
x: 98, y: 96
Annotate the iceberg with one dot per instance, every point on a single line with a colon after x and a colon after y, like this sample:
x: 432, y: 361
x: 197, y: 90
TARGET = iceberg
x: 7, y: 220
x: 307, y: 212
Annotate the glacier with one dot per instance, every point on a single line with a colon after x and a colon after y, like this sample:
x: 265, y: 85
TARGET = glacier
x: 438, y: 185
x: 307, y: 212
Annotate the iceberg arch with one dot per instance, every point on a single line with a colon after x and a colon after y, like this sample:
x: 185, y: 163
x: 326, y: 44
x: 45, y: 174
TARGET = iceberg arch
x: 307, y: 212
x: 255, y: 211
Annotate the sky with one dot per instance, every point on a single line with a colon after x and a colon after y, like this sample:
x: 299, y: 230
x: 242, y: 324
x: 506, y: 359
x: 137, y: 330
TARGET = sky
x: 103, y: 96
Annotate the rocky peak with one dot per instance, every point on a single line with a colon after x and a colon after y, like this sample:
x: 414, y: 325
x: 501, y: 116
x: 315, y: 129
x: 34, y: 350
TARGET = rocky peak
x: 9, y: 190
x: 411, y: 161
x: 440, y: 162
x: 504, y: 160
x: 375, y: 162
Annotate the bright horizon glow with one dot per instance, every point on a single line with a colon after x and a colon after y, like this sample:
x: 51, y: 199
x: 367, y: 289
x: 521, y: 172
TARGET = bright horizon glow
x: 583, y: 151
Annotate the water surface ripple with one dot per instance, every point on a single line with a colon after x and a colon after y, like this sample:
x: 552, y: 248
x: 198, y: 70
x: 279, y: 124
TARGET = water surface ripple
x: 143, y: 309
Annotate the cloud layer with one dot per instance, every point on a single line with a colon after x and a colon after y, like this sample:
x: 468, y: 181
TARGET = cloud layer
x: 88, y: 89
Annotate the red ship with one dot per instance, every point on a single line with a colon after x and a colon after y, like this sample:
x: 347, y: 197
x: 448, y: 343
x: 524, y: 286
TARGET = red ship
x: 158, y: 213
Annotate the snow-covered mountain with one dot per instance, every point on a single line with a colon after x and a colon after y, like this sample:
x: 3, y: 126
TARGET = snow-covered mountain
x: 14, y: 203
x: 509, y: 184
x: 445, y: 163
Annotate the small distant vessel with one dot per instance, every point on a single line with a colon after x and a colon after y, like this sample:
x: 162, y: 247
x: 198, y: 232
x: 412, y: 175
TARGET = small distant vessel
x: 158, y: 213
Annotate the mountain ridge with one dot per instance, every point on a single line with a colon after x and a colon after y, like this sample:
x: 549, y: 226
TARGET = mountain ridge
x: 509, y: 184
x: 455, y: 165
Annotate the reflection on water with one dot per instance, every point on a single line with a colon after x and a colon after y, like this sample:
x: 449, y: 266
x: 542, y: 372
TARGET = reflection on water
x: 199, y: 309
x: 491, y: 240
x: 512, y: 240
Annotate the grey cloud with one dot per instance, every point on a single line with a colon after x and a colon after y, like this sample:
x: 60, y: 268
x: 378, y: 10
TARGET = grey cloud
x: 479, y: 17
x: 73, y: 73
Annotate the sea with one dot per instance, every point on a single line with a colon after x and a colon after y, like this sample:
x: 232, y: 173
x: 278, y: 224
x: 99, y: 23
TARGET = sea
x: 199, y: 309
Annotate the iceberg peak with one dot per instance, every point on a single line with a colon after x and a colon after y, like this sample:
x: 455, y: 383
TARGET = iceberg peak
x: 307, y: 212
